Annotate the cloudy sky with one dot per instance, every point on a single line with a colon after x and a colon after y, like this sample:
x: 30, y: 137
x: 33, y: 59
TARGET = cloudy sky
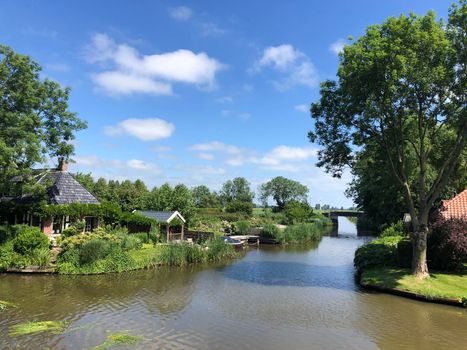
x: 196, y: 92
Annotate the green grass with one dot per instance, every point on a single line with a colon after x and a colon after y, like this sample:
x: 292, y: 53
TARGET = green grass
x: 55, y: 327
x: 442, y: 285
x: 119, y: 338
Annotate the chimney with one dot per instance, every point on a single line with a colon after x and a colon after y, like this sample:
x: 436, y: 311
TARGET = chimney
x: 62, y: 165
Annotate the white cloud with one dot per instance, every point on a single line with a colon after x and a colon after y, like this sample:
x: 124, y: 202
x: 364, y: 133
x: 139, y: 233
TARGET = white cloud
x: 337, y: 46
x: 127, y: 71
x: 281, y: 155
x: 224, y: 99
x: 181, y: 13
x: 144, y: 129
x: 142, y: 165
x: 119, y: 83
x: 205, y: 156
x: 301, y: 108
x: 240, y: 115
x: 216, y: 146
x: 293, y: 64
x: 161, y: 148
x: 210, y: 29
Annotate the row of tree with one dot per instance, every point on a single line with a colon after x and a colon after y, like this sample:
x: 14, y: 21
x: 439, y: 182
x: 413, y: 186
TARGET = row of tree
x: 234, y: 196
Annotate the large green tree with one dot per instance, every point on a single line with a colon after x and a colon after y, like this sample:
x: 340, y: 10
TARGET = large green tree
x: 283, y: 190
x: 237, y: 189
x: 35, y: 121
x: 401, y: 86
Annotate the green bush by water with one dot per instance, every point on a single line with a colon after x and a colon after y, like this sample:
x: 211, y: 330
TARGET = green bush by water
x: 301, y: 233
x: 380, y: 252
x: 28, y: 239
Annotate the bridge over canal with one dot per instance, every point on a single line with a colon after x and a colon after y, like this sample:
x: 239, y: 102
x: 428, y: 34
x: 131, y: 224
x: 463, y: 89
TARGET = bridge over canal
x: 334, y: 214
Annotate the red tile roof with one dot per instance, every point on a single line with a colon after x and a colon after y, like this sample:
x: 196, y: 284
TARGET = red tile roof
x: 455, y: 207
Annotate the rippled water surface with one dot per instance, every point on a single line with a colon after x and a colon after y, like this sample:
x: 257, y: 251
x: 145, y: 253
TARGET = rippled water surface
x: 273, y: 298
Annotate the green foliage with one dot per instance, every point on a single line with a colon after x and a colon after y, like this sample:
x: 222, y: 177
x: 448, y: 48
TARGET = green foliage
x: 239, y: 207
x: 93, y: 250
x: 396, y: 229
x: 399, y: 98
x: 270, y: 231
x: 301, y: 233
x: 180, y: 254
x: 297, y: 212
x: 237, y: 189
x: 380, y: 252
x: 242, y: 227
x: 28, y: 239
x: 35, y: 120
x: 40, y: 257
x: 283, y: 190
x: 146, y: 237
x: 217, y: 250
x: 131, y: 242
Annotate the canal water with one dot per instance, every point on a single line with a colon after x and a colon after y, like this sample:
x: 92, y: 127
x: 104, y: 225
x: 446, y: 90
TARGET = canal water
x: 272, y: 298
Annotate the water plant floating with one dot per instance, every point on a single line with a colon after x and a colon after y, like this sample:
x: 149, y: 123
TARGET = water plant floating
x: 6, y: 305
x: 119, y: 338
x: 54, y: 327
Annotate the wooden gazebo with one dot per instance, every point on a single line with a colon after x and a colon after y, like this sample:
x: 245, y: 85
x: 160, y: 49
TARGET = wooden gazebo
x: 164, y: 218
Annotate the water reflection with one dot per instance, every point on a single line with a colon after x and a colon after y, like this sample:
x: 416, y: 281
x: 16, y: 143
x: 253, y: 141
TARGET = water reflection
x: 297, y: 297
x: 270, y: 273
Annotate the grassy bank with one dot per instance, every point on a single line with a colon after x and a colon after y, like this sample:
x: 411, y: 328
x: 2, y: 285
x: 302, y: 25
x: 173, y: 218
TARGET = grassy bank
x: 439, y: 285
x: 149, y: 256
x: 296, y: 234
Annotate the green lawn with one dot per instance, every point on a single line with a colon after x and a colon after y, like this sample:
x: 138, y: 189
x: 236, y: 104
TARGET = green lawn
x: 442, y: 285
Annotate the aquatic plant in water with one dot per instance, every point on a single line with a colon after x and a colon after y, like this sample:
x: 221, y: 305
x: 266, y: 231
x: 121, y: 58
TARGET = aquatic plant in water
x: 5, y: 305
x: 118, y: 338
x: 54, y: 327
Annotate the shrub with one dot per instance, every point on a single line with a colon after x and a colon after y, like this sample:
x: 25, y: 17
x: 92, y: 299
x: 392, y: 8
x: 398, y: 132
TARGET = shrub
x: 94, y: 250
x: 217, y: 250
x: 119, y: 261
x: 5, y: 233
x: 269, y: 231
x: 6, y: 255
x: 131, y: 242
x: 180, y: 254
x: 301, y: 233
x: 40, y: 257
x: 240, y: 207
x: 68, y: 232
x: 447, y: 244
x: 380, y: 252
x: 242, y: 227
x: 145, y: 237
x: 29, y: 239
x: 296, y: 212
x: 394, y: 230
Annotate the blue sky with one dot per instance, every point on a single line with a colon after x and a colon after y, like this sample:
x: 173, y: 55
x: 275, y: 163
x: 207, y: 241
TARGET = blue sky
x: 196, y: 92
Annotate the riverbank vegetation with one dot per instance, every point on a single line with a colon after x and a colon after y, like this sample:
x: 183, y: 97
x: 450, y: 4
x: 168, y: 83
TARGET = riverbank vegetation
x: 440, y: 284
x: 114, y: 250
x: 385, y: 262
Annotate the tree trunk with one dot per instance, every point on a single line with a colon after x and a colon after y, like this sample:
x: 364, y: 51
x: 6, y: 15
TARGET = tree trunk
x: 419, y: 246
